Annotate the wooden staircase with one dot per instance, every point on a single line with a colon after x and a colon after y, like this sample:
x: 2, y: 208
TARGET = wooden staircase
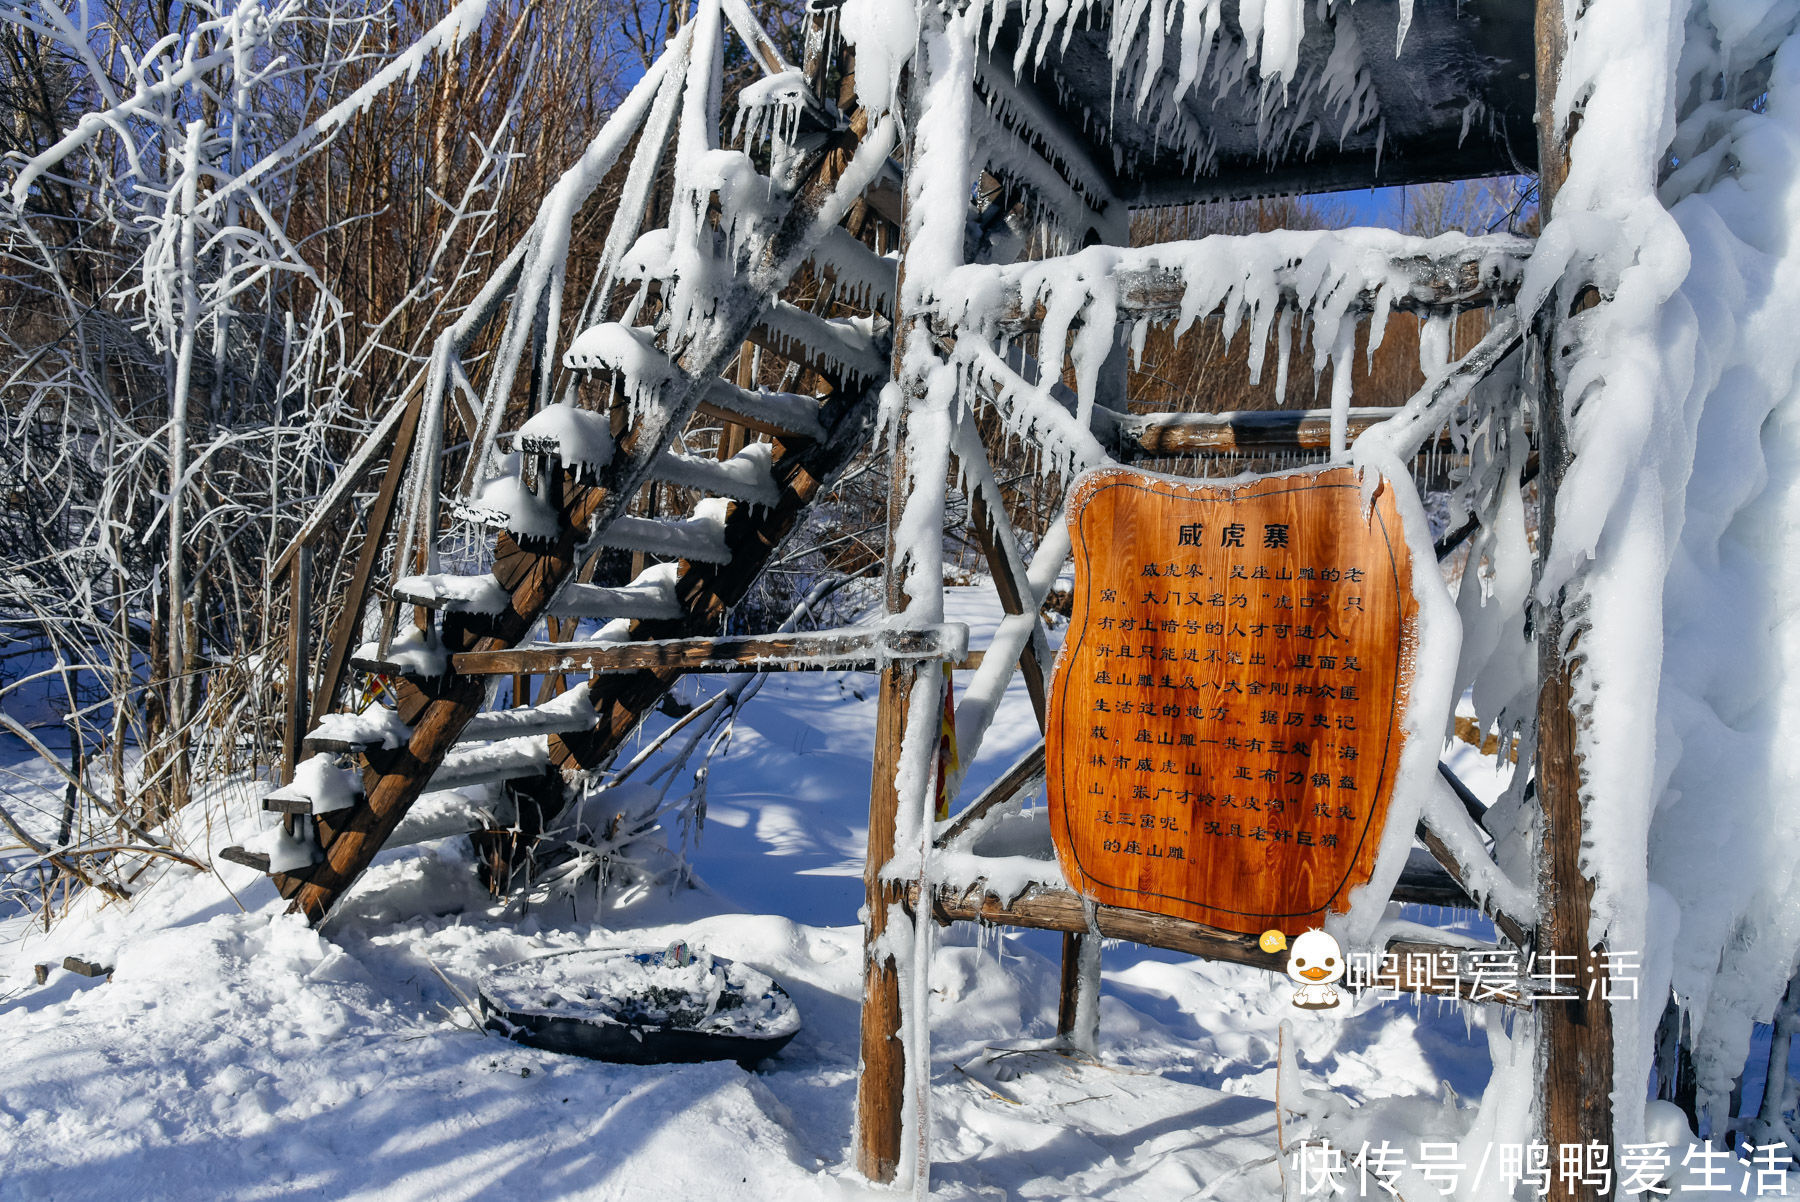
x: 576, y: 468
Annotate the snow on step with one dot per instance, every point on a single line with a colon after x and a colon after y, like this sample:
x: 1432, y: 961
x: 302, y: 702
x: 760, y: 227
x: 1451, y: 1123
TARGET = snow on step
x: 287, y: 852
x: 864, y: 278
x: 452, y: 594
x: 412, y: 652
x: 321, y: 784
x: 651, y: 595
x: 630, y: 351
x: 581, y: 438
x: 570, y: 711
x: 506, y: 503
x: 847, y: 343
x: 376, y: 726
x: 445, y: 813
x: 491, y: 762
x: 780, y: 413
x: 700, y: 537
x: 746, y: 476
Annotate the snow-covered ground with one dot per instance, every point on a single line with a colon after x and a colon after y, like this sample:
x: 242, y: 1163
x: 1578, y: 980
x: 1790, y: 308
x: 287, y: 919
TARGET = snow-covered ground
x: 236, y: 1053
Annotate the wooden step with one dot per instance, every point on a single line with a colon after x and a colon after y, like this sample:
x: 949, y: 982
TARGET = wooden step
x: 344, y: 733
x: 700, y: 537
x: 650, y: 596
x: 580, y: 438
x: 566, y: 713
x: 505, y: 503
x: 249, y: 859
x: 743, y: 477
x: 844, y: 348
x: 322, y: 784
x: 490, y: 762
x: 412, y: 652
x: 785, y: 415
x: 444, y: 814
x: 632, y: 352
x: 864, y: 278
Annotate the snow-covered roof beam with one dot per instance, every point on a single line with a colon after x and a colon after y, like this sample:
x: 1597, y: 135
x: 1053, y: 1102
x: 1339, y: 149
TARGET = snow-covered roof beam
x: 1346, y: 271
x: 1343, y: 110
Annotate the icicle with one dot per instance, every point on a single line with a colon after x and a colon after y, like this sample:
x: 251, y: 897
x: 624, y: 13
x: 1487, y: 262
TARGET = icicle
x: 1343, y: 365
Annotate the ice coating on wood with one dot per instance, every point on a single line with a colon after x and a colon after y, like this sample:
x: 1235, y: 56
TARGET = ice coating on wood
x: 1327, y: 280
x: 845, y: 345
x: 863, y: 278
x: 581, y: 438
x: 770, y: 107
x: 1259, y: 50
x: 321, y: 782
x: 788, y: 412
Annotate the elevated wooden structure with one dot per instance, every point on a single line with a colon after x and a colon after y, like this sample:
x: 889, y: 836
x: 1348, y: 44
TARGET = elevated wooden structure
x: 1057, y: 130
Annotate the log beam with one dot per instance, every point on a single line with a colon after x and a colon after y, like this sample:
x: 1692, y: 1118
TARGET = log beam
x: 1464, y: 279
x: 1055, y: 909
x: 833, y: 650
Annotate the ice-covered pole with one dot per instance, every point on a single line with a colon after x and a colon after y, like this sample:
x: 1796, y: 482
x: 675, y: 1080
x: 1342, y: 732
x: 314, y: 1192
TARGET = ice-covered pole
x: 935, y: 95
x: 1574, y: 1040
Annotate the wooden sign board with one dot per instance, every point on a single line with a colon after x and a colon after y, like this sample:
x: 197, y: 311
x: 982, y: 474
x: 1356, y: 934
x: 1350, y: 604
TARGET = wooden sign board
x: 1225, y: 719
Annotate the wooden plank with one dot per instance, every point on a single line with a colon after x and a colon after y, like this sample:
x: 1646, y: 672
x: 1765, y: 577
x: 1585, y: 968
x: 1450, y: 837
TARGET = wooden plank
x: 1048, y: 909
x: 880, y: 1086
x: 1440, y: 851
x: 881, y: 1079
x: 1228, y: 705
x: 86, y: 968
x: 817, y: 650
x: 249, y: 859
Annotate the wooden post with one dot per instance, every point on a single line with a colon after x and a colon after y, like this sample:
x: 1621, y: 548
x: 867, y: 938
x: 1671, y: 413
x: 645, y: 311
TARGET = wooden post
x: 1574, y: 1037
x: 881, y: 1088
x: 881, y: 1084
x: 295, y: 718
